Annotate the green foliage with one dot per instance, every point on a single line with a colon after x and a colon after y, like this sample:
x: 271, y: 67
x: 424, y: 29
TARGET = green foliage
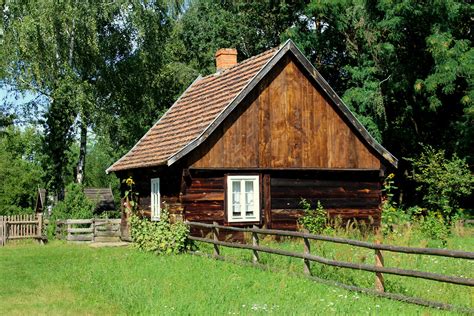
x: 20, y: 172
x: 249, y: 26
x: 315, y: 220
x: 392, y: 215
x: 100, y: 156
x: 434, y: 226
x: 130, y: 196
x: 442, y: 181
x: 160, y: 237
x: 403, y: 67
x: 75, y: 204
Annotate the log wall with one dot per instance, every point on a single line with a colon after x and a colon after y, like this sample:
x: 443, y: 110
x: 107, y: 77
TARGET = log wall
x: 348, y: 195
x: 170, y: 188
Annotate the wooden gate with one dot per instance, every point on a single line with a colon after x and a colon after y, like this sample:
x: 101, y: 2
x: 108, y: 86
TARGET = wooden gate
x: 91, y: 230
x: 21, y: 227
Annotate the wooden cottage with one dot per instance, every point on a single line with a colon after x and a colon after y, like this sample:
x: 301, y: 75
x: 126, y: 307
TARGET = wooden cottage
x: 244, y: 145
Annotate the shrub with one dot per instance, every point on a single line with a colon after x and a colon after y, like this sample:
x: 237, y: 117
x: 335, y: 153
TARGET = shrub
x: 392, y: 215
x: 161, y: 237
x: 316, y: 221
x: 75, y: 205
x: 434, y: 226
x: 443, y: 182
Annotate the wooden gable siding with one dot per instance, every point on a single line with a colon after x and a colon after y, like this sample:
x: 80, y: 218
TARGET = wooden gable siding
x: 286, y: 123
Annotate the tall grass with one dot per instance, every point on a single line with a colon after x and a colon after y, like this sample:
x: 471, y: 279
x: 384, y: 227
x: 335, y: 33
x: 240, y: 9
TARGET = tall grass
x: 462, y: 238
x: 70, y: 279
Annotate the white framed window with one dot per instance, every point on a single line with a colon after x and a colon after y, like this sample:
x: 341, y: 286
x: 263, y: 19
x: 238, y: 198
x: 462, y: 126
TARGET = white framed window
x: 155, y: 199
x: 243, y: 198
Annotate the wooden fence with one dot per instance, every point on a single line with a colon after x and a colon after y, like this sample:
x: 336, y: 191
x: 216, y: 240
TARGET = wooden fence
x: 379, y: 269
x: 89, y: 230
x: 21, y: 227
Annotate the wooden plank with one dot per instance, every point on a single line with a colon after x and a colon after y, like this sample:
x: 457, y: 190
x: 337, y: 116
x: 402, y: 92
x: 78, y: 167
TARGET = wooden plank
x: 323, y: 192
x: 292, y: 182
x: 264, y: 145
x: 267, y: 201
x: 203, y: 196
x: 356, y: 203
x: 78, y: 221
x: 80, y: 230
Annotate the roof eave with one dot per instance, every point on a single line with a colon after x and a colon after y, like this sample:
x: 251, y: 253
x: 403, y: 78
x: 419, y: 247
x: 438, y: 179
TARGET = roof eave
x: 112, y: 169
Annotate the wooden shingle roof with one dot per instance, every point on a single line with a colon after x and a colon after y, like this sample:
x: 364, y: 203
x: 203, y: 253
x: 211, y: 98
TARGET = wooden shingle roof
x: 206, y: 103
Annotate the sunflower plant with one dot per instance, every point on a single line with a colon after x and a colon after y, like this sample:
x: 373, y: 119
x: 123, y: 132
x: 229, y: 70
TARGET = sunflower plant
x: 130, y: 196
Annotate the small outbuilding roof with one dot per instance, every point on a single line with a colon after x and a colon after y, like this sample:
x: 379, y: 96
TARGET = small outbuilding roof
x: 209, y: 100
x: 102, y: 197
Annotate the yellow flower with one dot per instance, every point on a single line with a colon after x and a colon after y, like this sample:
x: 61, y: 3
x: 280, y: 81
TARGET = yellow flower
x: 130, y: 181
x: 391, y: 176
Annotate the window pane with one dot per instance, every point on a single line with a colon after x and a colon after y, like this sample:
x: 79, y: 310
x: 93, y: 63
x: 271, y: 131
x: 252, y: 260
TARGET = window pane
x: 249, y: 203
x: 235, y: 186
x: 236, y: 209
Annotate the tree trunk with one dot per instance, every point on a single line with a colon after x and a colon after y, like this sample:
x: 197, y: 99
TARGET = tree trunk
x: 81, y: 164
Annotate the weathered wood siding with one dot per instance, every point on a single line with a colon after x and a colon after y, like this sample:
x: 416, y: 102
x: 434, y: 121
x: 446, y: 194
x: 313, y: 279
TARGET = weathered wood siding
x: 286, y: 123
x: 349, y: 195
x: 204, y: 199
x: 346, y: 198
x: 170, y: 187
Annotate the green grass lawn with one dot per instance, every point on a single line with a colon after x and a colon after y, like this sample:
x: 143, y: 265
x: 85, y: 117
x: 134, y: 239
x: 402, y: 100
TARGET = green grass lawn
x: 72, y: 279
x: 458, y: 295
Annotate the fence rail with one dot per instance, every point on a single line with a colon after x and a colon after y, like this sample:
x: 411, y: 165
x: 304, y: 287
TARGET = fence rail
x: 307, y: 257
x: 21, y: 227
x: 89, y: 230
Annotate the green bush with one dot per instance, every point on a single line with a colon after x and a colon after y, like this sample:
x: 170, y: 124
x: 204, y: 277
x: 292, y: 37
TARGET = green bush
x: 392, y: 215
x: 76, y: 205
x: 316, y: 221
x: 161, y: 237
x: 443, y: 182
x: 434, y: 226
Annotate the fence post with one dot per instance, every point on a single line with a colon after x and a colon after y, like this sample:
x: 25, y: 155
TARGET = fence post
x: 39, y: 230
x: 2, y: 231
x: 215, y: 233
x: 379, y: 281
x: 255, y: 243
x: 69, y: 227
x: 93, y: 229
x: 307, y: 251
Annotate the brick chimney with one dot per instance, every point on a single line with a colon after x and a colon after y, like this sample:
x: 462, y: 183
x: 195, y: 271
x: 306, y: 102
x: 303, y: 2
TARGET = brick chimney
x: 226, y: 58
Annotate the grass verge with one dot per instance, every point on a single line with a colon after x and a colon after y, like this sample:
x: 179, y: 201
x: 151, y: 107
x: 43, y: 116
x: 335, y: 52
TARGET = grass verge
x: 70, y: 279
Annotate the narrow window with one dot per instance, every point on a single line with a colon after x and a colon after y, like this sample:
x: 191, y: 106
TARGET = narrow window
x: 155, y: 199
x: 243, y: 202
